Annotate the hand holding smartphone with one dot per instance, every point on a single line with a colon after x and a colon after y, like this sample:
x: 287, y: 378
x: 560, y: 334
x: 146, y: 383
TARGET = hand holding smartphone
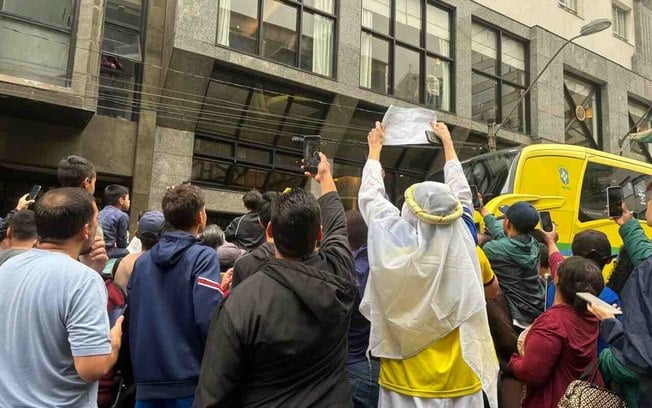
x: 614, y: 202
x: 311, y: 148
x: 546, y: 221
x: 474, y: 195
x: 33, y: 193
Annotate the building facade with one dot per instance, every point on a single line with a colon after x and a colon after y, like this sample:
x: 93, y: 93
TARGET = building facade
x: 221, y: 92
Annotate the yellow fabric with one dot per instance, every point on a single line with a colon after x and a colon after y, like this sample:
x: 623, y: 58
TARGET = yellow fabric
x: 425, y: 216
x: 607, y: 271
x: 485, y: 266
x: 439, y: 371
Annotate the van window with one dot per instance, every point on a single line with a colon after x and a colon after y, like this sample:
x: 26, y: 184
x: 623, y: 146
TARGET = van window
x: 593, y: 200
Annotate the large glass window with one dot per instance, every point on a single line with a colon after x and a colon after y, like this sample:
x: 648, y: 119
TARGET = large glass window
x: 408, y: 56
x: 597, y: 177
x: 619, y: 19
x: 122, y: 57
x: 582, y: 116
x: 35, y: 39
x: 499, y: 78
x: 298, y: 33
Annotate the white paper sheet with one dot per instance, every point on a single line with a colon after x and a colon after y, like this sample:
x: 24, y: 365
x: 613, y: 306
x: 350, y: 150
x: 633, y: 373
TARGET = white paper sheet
x: 407, y: 126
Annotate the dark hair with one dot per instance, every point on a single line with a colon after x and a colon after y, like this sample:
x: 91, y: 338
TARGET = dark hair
x: 578, y: 274
x: 252, y: 199
x: 114, y: 192
x: 265, y: 208
x: 593, y: 245
x: 295, y: 223
x: 544, y: 252
x: 22, y: 225
x: 61, y: 213
x: 356, y: 228
x: 213, y: 236
x: 73, y: 170
x: 622, y: 270
x: 147, y: 240
x: 181, y: 205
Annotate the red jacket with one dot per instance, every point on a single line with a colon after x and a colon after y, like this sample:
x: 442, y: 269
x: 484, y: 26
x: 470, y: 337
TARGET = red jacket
x: 560, y: 346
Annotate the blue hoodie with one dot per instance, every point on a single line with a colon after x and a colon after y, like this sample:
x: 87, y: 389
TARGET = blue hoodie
x: 173, y: 290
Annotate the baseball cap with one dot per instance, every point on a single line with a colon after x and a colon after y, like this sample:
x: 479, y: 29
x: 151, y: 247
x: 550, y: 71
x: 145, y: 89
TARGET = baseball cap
x: 150, y: 223
x: 523, y: 216
x: 592, y: 244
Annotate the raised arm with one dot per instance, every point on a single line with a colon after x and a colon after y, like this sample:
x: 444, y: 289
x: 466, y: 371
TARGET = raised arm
x: 637, y: 244
x: 453, y: 172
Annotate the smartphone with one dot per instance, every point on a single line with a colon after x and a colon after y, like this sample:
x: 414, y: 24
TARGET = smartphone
x: 546, y: 221
x: 311, y: 148
x: 614, y: 202
x: 598, y: 302
x: 115, y: 313
x: 474, y: 195
x: 432, y: 138
x: 33, y: 193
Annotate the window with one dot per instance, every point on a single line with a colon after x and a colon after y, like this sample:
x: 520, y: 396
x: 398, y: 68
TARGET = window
x: 593, y: 200
x: 619, y: 18
x: 582, y: 116
x: 570, y: 5
x: 122, y: 57
x: 408, y: 55
x: 36, y: 39
x: 498, y: 78
x: 640, y: 120
x: 299, y: 33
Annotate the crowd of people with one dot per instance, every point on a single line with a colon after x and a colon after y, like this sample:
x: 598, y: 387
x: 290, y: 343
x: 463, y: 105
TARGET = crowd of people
x: 299, y: 303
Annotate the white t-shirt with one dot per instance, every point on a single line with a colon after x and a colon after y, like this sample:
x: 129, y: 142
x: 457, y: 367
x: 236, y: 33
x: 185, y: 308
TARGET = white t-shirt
x: 52, y: 308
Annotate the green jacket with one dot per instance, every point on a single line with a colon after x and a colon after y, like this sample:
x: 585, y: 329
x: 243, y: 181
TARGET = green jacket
x: 516, y: 263
x: 618, y: 373
x: 637, y: 244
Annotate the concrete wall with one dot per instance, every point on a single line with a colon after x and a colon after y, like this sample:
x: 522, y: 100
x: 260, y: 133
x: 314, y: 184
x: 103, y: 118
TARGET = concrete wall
x: 553, y: 17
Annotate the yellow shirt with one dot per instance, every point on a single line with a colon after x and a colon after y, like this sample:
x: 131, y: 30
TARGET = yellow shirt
x: 439, y: 371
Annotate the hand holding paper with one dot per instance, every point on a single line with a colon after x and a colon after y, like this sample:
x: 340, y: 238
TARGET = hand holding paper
x: 404, y: 126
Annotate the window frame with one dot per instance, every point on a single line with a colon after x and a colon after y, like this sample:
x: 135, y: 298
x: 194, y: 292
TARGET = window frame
x: 634, y: 125
x: 422, y: 50
x: 597, y: 92
x: 500, y: 33
x: 615, y: 9
x: 139, y: 71
x: 300, y: 7
x: 565, y: 4
x: 74, y: 24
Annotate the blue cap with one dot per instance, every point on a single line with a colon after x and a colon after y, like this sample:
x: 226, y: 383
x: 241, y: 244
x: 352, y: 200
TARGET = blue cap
x: 150, y: 223
x: 523, y: 216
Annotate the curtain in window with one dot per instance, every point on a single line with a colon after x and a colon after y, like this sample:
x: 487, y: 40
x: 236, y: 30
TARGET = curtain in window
x: 322, y: 57
x: 366, y: 50
x: 224, y: 22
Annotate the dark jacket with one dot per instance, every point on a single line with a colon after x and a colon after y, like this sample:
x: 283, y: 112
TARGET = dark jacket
x: 251, y: 263
x: 173, y: 290
x: 279, y: 339
x: 360, y: 327
x: 246, y: 232
x: 115, y: 226
x: 516, y: 263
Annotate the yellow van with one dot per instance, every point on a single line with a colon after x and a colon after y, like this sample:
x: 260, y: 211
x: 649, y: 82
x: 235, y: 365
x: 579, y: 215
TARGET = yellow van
x: 569, y: 181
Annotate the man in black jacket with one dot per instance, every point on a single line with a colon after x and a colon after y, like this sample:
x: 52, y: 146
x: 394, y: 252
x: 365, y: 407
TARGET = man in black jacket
x: 246, y: 231
x: 279, y: 338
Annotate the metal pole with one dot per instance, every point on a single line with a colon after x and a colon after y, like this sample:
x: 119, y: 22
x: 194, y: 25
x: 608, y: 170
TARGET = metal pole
x: 491, y: 136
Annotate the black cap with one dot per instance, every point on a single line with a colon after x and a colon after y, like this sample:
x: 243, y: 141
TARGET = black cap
x: 523, y: 216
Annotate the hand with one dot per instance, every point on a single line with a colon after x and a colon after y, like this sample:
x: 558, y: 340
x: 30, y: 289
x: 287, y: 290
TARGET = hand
x: 116, y: 333
x: 441, y: 131
x: 24, y: 202
x: 627, y: 215
x: 551, y: 237
x: 323, y: 169
x: 600, y: 312
x: 227, y: 280
x: 375, y: 139
x: 481, y: 201
x: 97, y: 258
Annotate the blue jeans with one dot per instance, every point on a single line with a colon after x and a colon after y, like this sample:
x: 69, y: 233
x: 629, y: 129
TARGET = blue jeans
x: 363, y: 377
x: 166, y: 403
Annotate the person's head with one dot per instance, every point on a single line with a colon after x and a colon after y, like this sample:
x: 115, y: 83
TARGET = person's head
x: 213, y: 236
x: 184, y: 208
x: 577, y: 274
x: 66, y: 217
x: 21, y: 230
x: 296, y: 224
x: 622, y: 271
x: 252, y: 199
x: 520, y: 218
x: 265, y: 208
x: 593, y: 245
x: 537, y: 234
x: 357, y: 229
x: 75, y: 171
x: 149, y: 228
x: 117, y: 196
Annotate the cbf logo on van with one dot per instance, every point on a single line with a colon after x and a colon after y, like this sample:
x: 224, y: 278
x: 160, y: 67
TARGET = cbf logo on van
x: 564, y: 177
